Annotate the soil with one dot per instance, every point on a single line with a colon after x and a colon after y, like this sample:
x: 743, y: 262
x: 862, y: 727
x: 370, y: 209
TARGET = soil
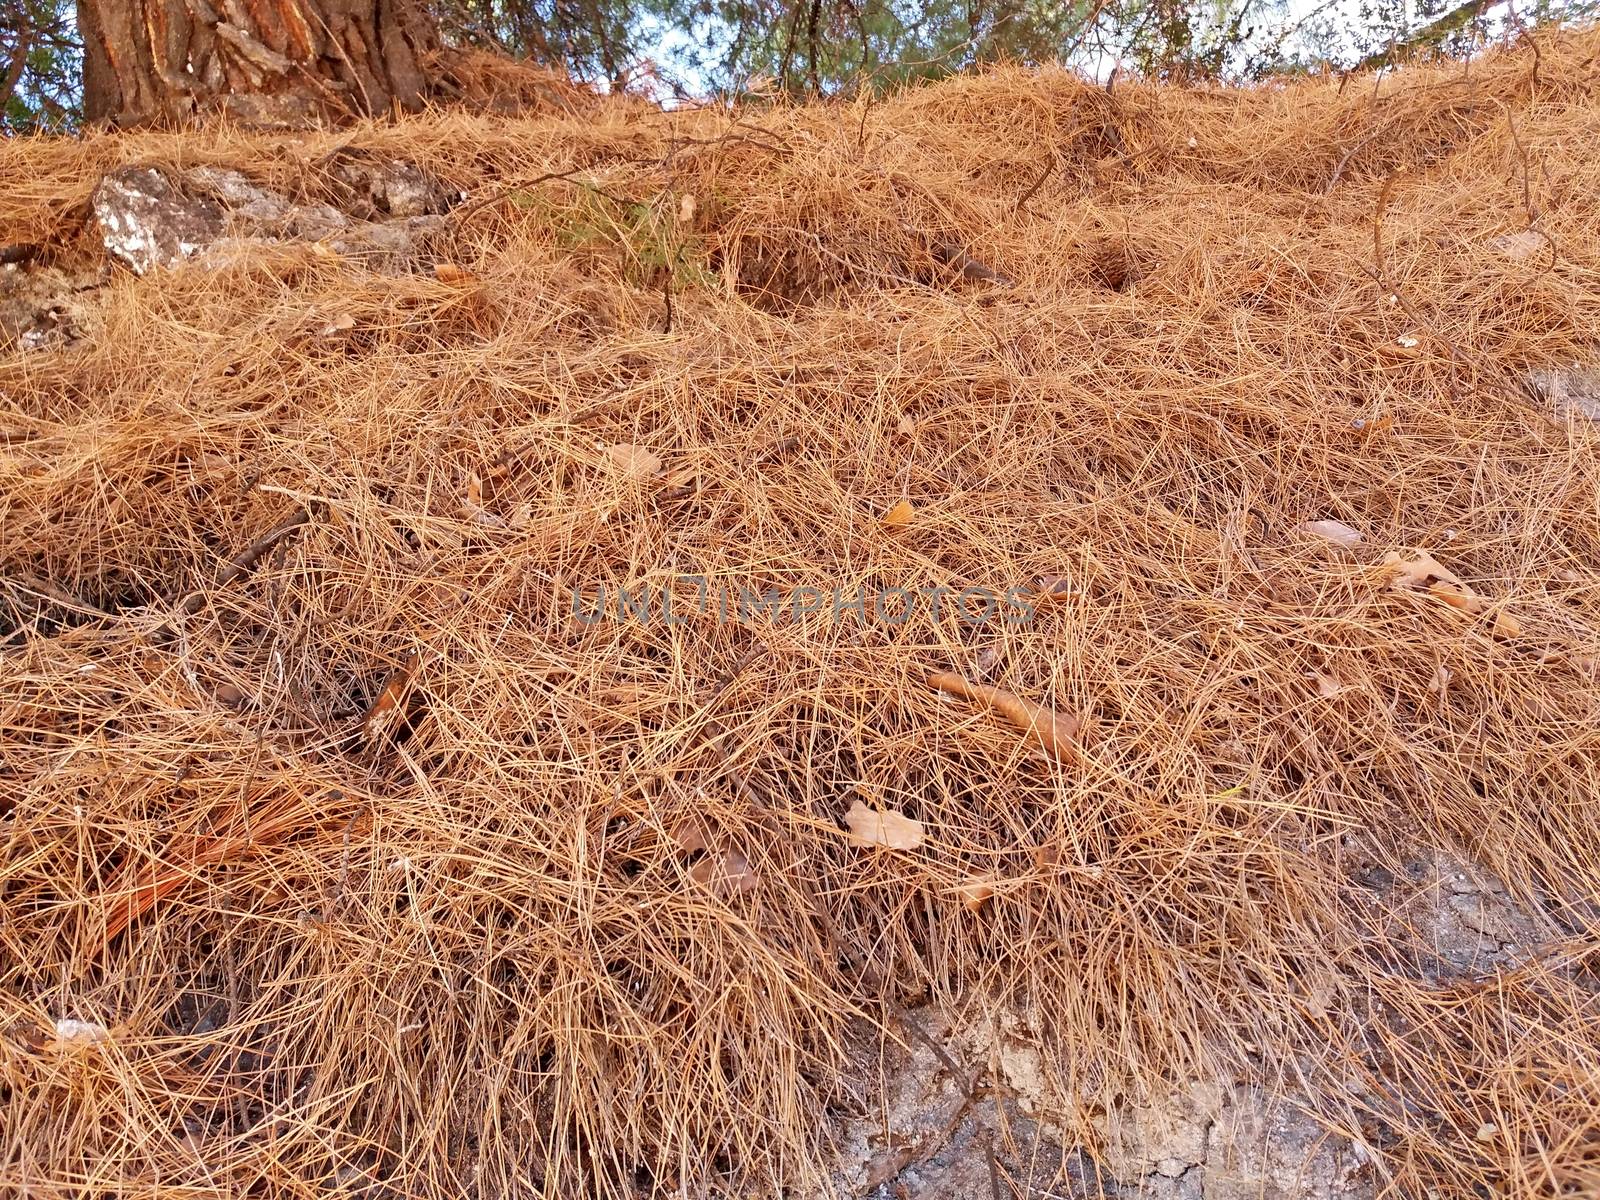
x: 927, y: 1133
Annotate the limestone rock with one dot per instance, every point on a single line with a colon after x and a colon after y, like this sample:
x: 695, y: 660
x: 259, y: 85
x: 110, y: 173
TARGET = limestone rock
x: 148, y: 221
x: 150, y: 217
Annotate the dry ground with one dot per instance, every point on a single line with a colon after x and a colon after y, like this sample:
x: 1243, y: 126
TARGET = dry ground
x: 339, y: 855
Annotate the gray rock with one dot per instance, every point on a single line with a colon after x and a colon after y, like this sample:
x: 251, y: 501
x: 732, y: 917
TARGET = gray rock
x: 43, y: 306
x: 152, y: 218
x: 147, y: 221
x: 1569, y: 392
x: 375, y: 188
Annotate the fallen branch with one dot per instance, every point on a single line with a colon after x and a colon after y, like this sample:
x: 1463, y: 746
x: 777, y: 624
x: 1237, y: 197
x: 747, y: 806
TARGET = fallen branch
x: 970, y: 268
x: 43, y: 589
x: 1033, y: 188
x: 237, y: 566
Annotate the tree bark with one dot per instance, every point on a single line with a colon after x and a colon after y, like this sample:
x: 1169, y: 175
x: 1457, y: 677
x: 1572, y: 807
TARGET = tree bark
x: 1429, y: 35
x: 158, y: 61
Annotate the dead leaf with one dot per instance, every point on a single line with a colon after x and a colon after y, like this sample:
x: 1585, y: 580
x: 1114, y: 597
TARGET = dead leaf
x: 452, y: 273
x: 890, y: 829
x: 387, y: 709
x: 633, y: 462
x: 1424, y: 573
x: 1336, y: 532
x: 1056, y: 588
x: 899, y: 515
x: 726, y: 871
x: 907, y: 424
x: 686, y: 208
x: 1053, y: 732
x: 976, y: 890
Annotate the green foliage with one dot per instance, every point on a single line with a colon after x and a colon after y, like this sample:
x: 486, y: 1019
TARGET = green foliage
x: 828, y: 47
x: 647, y: 239
x: 41, y: 63
x: 824, y: 47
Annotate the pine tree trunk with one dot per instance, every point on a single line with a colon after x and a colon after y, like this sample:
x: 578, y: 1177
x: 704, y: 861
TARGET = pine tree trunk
x: 163, y: 60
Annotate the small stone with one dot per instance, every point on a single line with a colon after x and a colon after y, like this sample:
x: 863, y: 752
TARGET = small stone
x: 1568, y: 392
x: 1523, y: 244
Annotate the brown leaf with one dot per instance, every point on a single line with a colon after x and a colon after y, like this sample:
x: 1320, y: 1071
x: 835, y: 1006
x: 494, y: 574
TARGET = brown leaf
x: 1424, y: 573
x: 387, y: 709
x: 726, y: 871
x: 633, y: 462
x: 894, y: 830
x: 448, y: 272
x: 907, y: 424
x: 975, y: 890
x: 899, y: 515
x: 1053, y: 732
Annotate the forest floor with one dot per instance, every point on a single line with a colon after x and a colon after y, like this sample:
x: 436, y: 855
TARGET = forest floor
x: 1021, y: 639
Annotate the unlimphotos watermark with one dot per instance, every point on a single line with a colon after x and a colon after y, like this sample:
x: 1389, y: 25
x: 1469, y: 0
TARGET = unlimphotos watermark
x: 737, y: 604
